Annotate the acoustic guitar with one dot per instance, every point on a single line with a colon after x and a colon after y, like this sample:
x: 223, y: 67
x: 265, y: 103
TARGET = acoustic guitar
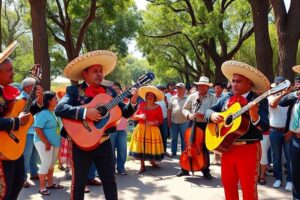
x: 87, y: 134
x: 220, y: 137
x: 13, y: 142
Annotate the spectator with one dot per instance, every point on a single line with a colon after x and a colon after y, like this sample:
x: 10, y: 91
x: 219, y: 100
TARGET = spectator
x: 176, y: 119
x: 278, y: 118
x: 293, y: 135
x: 119, y: 137
x: 164, y: 130
x: 31, y: 157
x: 47, y: 141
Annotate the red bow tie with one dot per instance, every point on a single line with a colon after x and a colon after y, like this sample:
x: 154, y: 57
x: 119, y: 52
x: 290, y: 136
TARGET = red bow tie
x: 10, y: 93
x: 242, y: 100
x: 92, y: 91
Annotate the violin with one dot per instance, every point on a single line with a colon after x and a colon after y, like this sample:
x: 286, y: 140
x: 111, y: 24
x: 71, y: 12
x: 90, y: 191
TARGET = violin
x: 192, y: 158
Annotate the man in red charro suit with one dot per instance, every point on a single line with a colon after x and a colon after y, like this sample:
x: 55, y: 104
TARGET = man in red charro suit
x: 240, y: 163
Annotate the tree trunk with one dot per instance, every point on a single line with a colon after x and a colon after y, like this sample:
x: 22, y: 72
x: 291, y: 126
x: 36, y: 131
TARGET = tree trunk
x: 219, y: 76
x: 288, y: 32
x: 40, y: 39
x: 263, y: 48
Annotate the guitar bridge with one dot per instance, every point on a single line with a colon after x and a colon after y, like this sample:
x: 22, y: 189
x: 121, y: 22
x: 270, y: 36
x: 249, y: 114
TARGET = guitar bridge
x: 86, y: 125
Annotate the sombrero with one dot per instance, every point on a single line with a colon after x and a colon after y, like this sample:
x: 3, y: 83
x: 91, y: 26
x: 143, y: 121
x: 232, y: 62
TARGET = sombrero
x: 296, y: 68
x: 6, y: 52
x: 107, y: 59
x: 259, y: 80
x: 203, y: 80
x: 145, y: 89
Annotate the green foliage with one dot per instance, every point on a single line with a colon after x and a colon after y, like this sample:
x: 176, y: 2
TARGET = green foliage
x: 163, y: 18
x: 114, y: 30
x: 129, y: 70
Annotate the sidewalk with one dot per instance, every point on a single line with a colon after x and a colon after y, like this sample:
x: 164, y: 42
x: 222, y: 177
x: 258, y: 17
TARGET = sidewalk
x: 158, y: 184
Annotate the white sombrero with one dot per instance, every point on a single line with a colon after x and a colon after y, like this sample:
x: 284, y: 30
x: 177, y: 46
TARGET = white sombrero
x: 107, y: 59
x: 203, y: 80
x: 296, y: 68
x: 6, y: 52
x: 145, y: 89
x: 259, y: 80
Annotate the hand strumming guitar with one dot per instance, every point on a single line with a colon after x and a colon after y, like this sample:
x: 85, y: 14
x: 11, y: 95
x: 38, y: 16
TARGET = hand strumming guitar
x: 216, y: 118
x: 93, y: 114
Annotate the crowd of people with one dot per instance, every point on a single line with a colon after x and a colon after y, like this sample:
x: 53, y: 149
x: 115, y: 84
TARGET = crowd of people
x: 270, y: 141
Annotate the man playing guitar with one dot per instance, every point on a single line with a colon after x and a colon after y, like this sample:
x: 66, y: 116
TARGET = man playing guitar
x: 240, y: 163
x: 12, y: 171
x: 91, y: 67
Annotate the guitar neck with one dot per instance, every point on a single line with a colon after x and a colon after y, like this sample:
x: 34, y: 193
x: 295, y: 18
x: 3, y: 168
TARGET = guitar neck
x: 118, y: 99
x: 30, y: 98
x: 247, y: 107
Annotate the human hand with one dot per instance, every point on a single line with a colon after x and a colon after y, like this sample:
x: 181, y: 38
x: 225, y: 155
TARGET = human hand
x: 288, y: 136
x: 93, y: 114
x: 253, y: 111
x: 23, y: 118
x: 134, y: 93
x: 39, y: 93
x: 47, y: 146
x: 216, y: 118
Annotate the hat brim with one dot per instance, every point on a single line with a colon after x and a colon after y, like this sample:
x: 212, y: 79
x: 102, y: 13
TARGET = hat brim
x: 106, y: 59
x: 145, y: 89
x: 7, y: 51
x: 203, y: 83
x: 296, y: 68
x: 259, y: 80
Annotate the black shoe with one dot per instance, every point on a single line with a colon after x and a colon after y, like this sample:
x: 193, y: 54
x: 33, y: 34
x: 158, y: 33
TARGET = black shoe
x: 207, y: 176
x: 172, y: 155
x: 182, y: 173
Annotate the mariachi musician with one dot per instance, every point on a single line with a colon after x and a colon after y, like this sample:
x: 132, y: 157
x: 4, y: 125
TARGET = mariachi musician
x: 12, y: 171
x: 91, y: 67
x: 245, y: 81
x: 206, y: 100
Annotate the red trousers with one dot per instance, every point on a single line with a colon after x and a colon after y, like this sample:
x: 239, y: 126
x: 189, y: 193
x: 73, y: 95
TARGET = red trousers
x: 240, y: 165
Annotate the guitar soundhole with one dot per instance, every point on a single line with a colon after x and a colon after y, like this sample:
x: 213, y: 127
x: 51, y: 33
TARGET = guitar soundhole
x: 228, y: 120
x: 103, y: 110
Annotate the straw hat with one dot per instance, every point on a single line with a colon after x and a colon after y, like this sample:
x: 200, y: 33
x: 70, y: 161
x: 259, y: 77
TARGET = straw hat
x: 145, y: 89
x: 259, y: 80
x: 6, y: 52
x: 296, y: 68
x: 203, y: 80
x: 107, y: 59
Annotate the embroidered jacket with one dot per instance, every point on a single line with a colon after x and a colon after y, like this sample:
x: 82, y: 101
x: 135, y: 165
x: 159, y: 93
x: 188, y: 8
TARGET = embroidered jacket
x: 255, y: 131
x: 69, y: 105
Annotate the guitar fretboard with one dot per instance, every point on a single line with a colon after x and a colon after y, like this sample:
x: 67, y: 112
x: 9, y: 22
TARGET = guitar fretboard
x: 30, y: 98
x: 247, y: 107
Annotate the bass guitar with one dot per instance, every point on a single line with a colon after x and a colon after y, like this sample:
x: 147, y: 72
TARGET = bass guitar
x: 13, y: 142
x: 220, y: 137
x: 87, y: 134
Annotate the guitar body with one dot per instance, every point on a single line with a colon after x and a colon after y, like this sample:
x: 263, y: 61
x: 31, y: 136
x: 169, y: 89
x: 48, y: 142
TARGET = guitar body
x: 9, y: 148
x: 220, y: 137
x: 88, y: 139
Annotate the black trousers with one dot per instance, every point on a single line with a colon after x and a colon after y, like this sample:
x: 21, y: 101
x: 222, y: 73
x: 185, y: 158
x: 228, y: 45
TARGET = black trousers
x: 103, y: 158
x: 14, y: 173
